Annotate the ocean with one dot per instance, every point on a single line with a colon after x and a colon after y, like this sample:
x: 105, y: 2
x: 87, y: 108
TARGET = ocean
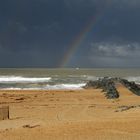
x: 57, y: 79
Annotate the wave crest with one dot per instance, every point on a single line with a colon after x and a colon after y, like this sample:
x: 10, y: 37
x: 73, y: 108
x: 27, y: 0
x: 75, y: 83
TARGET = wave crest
x: 20, y: 79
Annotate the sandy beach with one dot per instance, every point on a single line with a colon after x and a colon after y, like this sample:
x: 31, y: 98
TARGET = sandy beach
x: 70, y: 115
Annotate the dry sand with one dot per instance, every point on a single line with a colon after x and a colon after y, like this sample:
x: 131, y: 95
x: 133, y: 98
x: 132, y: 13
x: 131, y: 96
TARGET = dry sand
x: 70, y: 115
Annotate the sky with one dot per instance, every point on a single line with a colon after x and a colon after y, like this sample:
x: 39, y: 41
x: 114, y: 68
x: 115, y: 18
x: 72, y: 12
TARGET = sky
x: 70, y: 33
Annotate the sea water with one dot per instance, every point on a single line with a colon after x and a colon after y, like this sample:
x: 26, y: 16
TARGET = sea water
x: 55, y: 79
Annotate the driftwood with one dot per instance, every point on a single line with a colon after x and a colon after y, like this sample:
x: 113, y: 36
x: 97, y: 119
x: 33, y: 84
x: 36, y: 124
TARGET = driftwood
x: 4, y: 112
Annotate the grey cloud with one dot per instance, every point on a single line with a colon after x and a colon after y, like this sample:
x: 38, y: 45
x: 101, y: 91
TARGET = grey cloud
x: 115, y: 55
x: 116, y: 50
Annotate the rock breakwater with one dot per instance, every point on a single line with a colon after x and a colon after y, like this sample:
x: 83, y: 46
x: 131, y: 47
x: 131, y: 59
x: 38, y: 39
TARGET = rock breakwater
x: 108, y: 86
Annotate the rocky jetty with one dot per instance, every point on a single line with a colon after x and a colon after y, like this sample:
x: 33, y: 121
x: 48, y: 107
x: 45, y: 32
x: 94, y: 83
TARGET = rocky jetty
x: 132, y: 86
x: 107, y: 85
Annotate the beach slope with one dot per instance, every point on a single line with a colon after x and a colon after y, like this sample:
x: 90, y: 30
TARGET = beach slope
x: 70, y: 115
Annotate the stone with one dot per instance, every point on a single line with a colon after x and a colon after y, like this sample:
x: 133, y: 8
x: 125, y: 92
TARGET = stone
x: 132, y: 86
x: 107, y: 85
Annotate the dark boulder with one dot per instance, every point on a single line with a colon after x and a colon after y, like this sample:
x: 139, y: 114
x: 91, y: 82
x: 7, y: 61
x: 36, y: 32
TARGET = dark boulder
x: 107, y: 85
x: 132, y: 86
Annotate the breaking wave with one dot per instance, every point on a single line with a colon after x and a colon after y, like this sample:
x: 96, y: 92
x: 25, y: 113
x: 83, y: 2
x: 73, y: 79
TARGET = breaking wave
x: 20, y: 79
x: 65, y: 86
x: 51, y: 87
x: 53, y: 82
x: 133, y: 79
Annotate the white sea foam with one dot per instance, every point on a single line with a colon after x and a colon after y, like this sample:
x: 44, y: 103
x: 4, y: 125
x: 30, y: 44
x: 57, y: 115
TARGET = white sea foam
x: 51, y: 87
x: 93, y: 78
x: 20, y: 79
x: 133, y: 79
x: 65, y: 86
x: 11, y: 88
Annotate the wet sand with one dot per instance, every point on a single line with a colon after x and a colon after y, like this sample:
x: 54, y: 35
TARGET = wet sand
x: 70, y: 115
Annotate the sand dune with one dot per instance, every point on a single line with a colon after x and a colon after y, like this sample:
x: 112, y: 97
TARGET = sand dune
x: 70, y: 115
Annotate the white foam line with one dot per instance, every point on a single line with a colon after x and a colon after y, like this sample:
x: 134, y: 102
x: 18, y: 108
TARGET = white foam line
x: 15, y: 79
x: 52, y: 87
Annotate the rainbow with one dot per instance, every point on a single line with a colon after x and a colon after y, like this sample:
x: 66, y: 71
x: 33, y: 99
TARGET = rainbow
x: 76, y: 43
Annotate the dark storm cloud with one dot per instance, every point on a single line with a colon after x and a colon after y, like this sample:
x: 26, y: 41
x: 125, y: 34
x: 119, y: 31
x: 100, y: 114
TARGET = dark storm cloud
x: 37, y: 33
